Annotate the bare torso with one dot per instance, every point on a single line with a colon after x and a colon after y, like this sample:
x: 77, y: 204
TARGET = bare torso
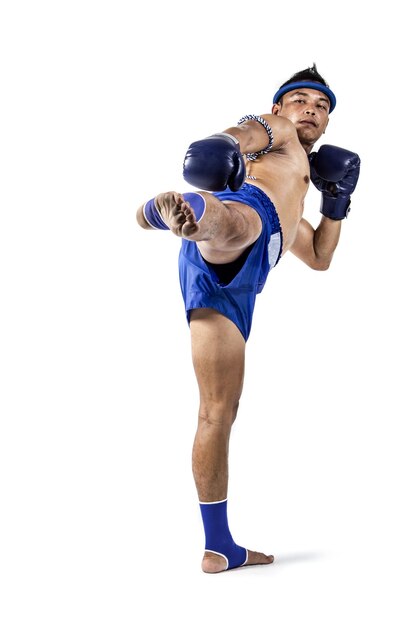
x: 283, y: 173
x: 284, y: 176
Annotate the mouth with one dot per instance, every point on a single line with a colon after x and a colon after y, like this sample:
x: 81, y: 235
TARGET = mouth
x: 308, y: 123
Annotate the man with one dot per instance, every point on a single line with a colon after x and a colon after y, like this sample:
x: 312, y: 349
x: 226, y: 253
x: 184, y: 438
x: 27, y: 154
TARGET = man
x: 253, y: 179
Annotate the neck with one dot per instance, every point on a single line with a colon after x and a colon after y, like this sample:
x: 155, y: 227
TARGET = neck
x: 307, y: 146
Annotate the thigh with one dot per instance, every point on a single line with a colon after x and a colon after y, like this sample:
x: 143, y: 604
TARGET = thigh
x: 218, y: 351
x: 234, y: 227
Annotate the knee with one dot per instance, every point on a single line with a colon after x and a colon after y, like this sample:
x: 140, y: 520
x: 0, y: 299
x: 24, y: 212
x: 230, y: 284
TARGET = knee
x: 218, y: 414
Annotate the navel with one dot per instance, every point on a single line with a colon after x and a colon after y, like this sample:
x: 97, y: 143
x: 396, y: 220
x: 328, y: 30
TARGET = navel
x: 306, y: 178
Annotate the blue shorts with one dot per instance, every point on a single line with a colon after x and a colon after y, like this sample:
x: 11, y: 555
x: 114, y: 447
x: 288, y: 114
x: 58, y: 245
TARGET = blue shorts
x: 200, y: 285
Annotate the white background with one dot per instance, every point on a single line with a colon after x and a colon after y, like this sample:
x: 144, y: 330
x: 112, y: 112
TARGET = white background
x: 99, y: 517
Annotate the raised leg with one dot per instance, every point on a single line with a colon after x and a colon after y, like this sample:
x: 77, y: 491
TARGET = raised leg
x: 218, y: 351
x: 224, y: 231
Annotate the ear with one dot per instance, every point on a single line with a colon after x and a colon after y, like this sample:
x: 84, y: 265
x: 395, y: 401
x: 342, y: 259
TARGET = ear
x: 276, y: 108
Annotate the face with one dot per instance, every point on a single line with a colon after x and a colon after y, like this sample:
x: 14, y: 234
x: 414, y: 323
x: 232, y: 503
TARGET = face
x: 308, y: 110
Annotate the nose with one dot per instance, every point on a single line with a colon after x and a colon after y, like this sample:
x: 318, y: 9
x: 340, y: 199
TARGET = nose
x: 310, y: 112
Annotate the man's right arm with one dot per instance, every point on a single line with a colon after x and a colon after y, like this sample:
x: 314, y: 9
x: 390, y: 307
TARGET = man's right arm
x: 217, y: 162
x: 253, y: 137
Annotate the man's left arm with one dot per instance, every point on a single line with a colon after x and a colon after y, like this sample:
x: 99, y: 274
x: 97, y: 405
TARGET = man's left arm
x: 315, y: 247
x: 335, y: 172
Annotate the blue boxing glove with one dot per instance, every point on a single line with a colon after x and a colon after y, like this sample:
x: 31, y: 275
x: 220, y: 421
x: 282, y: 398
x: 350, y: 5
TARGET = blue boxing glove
x: 335, y: 172
x: 215, y: 163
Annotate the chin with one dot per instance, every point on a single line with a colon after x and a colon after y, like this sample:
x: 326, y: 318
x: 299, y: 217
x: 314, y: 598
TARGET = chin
x: 309, y: 135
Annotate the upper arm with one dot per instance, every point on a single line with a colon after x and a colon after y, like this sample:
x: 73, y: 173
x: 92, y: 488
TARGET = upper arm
x: 282, y: 128
x: 253, y: 137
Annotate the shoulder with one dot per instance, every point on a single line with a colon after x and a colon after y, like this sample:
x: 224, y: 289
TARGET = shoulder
x: 281, y: 126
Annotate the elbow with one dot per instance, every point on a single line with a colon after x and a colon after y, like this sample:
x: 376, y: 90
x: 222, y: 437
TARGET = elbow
x: 323, y: 267
x: 321, y: 264
x: 322, y: 261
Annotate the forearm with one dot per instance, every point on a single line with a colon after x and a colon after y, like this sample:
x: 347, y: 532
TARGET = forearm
x: 315, y: 247
x: 325, y: 240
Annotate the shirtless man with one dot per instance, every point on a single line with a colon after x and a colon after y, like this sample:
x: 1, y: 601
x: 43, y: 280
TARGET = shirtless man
x: 253, y: 179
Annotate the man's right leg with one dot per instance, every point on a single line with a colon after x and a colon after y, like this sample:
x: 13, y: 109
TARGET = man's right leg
x: 218, y: 350
x: 223, y: 230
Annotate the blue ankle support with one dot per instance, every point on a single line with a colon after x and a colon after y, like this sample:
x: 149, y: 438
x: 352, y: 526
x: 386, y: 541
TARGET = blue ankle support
x: 153, y: 216
x: 218, y: 537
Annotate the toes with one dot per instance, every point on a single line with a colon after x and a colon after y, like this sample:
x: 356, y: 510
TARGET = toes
x: 178, y: 199
x: 189, y: 213
x: 258, y: 558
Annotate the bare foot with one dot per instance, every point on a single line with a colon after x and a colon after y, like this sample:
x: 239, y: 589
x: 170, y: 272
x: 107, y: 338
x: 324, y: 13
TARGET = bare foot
x: 177, y: 214
x: 214, y: 563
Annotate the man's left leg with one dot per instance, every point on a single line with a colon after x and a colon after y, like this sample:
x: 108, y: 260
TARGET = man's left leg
x: 218, y: 350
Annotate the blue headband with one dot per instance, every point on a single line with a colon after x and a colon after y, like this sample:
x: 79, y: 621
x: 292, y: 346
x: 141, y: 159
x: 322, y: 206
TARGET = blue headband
x: 310, y: 85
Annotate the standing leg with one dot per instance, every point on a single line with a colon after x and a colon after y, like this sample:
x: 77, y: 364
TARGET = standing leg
x: 218, y: 351
x: 222, y: 231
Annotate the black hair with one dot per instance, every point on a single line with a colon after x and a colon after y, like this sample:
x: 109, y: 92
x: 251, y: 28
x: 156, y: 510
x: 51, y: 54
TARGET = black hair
x: 310, y: 74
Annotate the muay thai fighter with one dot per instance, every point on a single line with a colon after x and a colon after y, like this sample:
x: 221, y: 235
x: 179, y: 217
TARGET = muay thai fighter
x: 248, y: 211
